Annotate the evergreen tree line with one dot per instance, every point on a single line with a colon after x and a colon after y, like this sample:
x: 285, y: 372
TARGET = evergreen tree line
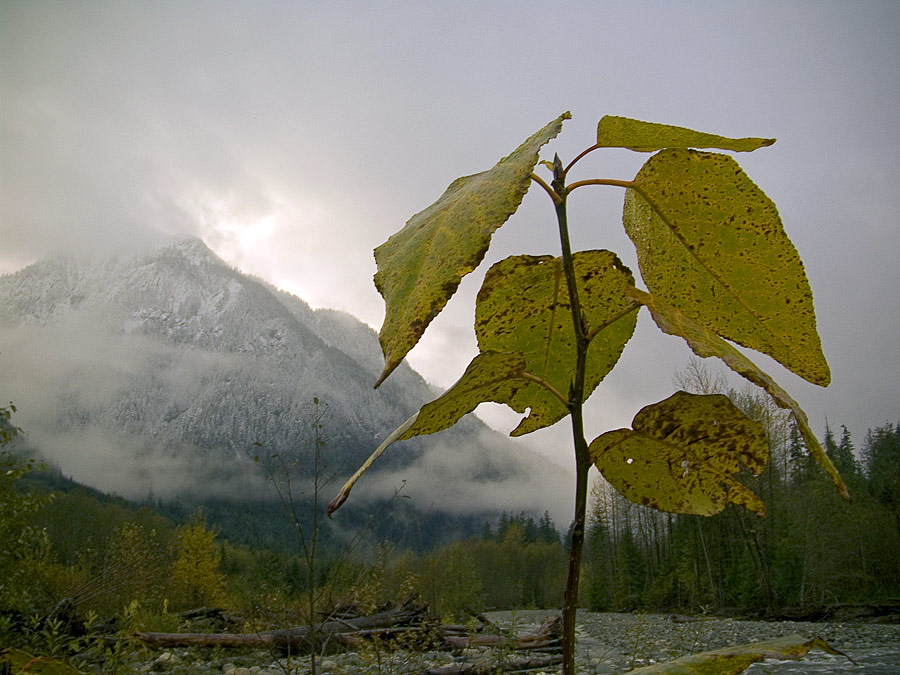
x: 104, y: 555
x: 812, y: 549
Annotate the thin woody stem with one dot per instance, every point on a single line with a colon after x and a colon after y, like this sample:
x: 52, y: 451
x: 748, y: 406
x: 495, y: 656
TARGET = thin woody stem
x: 575, y: 405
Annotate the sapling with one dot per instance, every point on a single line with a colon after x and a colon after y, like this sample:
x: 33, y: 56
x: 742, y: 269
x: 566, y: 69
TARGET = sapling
x: 717, y: 267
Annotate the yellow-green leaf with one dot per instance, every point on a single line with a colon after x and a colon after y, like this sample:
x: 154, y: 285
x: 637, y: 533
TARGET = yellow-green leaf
x: 682, y: 454
x: 491, y: 376
x: 421, y: 266
x: 523, y: 306
x: 734, y: 660
x: 622, y: 132
x: 704, y: 343
x: 711, y: 244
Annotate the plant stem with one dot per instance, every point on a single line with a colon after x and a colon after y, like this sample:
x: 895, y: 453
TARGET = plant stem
x: 576, y: 401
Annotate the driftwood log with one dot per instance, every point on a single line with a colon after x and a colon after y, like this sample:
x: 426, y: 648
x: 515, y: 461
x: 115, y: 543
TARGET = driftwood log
x: 544, y: 644
x: 294, y: 640
x: 546, y: 639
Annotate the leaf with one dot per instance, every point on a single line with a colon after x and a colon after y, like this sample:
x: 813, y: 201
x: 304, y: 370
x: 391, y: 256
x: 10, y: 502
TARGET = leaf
x: 420, y: 267
x: 733, y: 660
x: 379, y: 451
x: 711, y: 244
x: 622, y: 132
x: 523, y: 306
x: 682, y: 452
x: 704, y: 343
x: 491, y: 376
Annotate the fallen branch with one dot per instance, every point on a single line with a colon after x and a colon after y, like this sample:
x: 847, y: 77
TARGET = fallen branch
x: 545, y: 638
x: 294, y: 639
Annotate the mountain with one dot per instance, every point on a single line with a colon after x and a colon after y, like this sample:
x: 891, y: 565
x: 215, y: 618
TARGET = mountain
x: 171, y: 374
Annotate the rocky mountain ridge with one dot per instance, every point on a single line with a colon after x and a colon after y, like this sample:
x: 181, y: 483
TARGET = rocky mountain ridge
x: 168, y: 372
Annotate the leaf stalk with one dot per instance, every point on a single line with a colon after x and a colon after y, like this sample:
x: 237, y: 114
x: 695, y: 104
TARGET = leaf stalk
x: 550, y: 191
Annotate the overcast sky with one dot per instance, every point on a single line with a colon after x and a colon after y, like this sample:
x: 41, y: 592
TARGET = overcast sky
x: 294, y: 137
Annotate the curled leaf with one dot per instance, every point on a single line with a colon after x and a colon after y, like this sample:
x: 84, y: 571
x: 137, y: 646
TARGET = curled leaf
x: 420, y: 267
x: 622, y: 132
x: 711, y: 244
x: 491, y: 376
x: 682, y: 454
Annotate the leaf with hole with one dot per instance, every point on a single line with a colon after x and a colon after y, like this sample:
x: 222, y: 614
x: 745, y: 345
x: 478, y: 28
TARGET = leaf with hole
x: 623, y: 132
x: 523, y: 306
x: 421, y: 266
x: 682, y: 455
x: 704, y: 343
x: 711, y: 244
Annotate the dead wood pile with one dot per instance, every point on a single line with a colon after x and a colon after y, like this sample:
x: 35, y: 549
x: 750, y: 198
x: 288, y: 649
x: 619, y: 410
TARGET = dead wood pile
x: 409, y: 620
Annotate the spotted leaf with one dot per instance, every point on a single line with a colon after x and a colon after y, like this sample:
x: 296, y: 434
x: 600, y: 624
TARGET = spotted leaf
x: 711, y: 244
x: 523, y: 306
x: 682, y: 454
x: 421, y: 266
x: 705, y: 344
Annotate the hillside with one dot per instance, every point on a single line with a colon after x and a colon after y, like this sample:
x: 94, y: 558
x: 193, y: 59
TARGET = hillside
x: 165, y: 374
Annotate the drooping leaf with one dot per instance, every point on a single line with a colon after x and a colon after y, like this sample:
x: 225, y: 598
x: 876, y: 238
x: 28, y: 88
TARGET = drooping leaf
x: 491, y: 376
x: 711, y: 244
x: 682, y: 454
x: 704, y: 343
x: 421, y: 266
x: 523, y: 306
x: 622, y: 132
x: 379, y: 451
x: 734, y: 660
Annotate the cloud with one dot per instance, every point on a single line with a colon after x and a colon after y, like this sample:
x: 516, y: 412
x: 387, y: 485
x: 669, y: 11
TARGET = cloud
x: 467, y: 481
x: 131, y: 467
x: 295, y: 138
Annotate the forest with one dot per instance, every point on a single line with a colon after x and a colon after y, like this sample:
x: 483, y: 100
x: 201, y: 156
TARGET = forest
x: 75, y: 555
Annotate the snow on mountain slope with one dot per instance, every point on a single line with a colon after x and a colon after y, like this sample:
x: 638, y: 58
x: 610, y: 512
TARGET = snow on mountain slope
x: 168, y: 372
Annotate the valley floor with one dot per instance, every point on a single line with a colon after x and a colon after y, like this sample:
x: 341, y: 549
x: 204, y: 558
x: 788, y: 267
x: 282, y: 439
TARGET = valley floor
x: 614, y: 642
x: 607, y: 643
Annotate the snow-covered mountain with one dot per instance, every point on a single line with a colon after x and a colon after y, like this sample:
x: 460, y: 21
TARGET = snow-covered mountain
x: 166, y: 373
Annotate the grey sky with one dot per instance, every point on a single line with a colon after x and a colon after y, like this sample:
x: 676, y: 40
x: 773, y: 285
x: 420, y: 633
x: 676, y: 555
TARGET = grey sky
x: 295, y: 137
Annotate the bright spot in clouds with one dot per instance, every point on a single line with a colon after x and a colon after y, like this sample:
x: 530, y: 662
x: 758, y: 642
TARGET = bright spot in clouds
x: 294, y: 138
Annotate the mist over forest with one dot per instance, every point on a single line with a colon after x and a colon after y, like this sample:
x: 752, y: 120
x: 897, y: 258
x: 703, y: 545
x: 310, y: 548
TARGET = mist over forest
x: 166, y: 374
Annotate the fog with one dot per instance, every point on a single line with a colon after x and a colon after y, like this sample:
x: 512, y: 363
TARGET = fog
x: 295, y: 137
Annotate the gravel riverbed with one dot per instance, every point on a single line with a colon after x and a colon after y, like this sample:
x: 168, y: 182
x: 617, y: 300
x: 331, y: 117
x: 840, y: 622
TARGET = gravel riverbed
x: 607, y: 643
x: 615, y: 643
